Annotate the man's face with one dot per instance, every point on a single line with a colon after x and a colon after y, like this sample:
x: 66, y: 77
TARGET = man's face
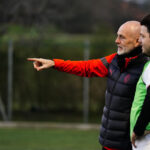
x: 145, y: 40
x: 126, y: 40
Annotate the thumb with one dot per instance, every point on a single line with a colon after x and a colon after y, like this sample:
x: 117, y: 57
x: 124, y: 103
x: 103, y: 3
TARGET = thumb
x: 40, y: 68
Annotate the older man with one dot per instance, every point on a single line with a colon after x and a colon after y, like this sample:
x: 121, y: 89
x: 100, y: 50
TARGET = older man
x: 122, y: 70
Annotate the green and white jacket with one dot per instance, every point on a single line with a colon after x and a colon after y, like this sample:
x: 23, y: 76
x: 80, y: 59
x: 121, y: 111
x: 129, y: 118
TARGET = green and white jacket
x: 141, y: 91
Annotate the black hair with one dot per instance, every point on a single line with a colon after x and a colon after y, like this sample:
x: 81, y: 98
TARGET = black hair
x: 146, y: 22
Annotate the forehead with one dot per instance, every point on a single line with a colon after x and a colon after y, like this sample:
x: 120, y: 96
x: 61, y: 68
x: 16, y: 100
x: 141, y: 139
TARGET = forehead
x: 144, y: 30
x: 123, y: 30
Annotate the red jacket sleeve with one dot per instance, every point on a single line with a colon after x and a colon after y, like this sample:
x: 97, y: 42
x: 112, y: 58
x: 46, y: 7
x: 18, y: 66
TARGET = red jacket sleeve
x: 89, y: 68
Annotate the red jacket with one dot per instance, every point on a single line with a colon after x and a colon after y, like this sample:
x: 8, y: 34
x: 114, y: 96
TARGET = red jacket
x: 89, y: 68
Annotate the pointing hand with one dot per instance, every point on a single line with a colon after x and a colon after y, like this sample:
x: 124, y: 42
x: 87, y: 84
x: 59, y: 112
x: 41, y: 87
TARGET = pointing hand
x: 40, y: 63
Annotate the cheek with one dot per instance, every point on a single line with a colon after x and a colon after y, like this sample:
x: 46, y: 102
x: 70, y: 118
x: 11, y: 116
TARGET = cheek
x: 124, y: 42
x: 146, y: 43
x: 130, y: 45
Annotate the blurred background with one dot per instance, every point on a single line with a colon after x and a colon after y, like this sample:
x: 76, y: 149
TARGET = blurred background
x: 57, y: 29
x: 65, y: 29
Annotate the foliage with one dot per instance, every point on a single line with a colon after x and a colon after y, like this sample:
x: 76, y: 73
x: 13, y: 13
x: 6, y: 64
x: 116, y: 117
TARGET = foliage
x: 58, y: 29
x: 73, y: 16
x: 51, y: 90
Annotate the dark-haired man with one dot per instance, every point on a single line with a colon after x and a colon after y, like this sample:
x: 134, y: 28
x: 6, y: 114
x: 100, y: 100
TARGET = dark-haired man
x: 140, y: 112
x: 123, y: 70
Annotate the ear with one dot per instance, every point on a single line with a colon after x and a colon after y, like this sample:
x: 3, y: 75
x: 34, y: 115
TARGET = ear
x: 137, y: 43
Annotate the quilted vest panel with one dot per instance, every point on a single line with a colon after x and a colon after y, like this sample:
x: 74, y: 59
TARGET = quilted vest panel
x: 114, y: 132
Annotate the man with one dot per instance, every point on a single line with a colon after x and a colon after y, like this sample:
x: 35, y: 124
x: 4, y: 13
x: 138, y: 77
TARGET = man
x: 140, y: 112
x: 123, y: 70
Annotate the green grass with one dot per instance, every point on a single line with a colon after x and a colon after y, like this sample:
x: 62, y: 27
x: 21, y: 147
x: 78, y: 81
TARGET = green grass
x: 48, y: 139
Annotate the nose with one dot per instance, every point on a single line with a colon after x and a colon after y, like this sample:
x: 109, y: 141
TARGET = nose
x: 140, y: 40
x: 117, y: 41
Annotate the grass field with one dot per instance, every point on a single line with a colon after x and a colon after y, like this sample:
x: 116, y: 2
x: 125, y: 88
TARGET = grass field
x: 48, y: 139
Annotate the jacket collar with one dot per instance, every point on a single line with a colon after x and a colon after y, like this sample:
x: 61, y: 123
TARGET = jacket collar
x: 133, y: 53
x: 123, y: 60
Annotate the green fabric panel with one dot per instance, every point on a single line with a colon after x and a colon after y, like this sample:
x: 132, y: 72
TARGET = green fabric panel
x: 138, y: 102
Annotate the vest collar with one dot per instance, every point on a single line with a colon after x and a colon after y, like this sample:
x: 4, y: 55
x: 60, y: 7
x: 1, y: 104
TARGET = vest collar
x: 133, y: 53
x: 124, y: 59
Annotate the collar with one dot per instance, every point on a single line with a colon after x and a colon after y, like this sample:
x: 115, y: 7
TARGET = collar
x: 123, y: 60
x: 135, y: 52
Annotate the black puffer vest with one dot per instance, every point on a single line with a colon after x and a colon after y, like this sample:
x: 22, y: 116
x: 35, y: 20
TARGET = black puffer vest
x: 114, y: 132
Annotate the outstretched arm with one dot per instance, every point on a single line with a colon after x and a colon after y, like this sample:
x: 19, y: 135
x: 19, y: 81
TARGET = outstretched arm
x: 89, y: 68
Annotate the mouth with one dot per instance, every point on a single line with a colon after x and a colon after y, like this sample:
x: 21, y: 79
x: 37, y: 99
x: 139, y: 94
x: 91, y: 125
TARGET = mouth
x: 119, y: 47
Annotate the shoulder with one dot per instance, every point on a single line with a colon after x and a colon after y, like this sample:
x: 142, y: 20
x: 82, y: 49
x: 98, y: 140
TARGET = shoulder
x: 146, y: 66
x: 146, y: 72
x: 109, y: 58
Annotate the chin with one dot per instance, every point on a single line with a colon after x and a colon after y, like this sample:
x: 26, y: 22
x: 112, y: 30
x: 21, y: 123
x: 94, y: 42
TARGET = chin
x: 146, y: 54
x: 120, y: 52
x: 143, y: 51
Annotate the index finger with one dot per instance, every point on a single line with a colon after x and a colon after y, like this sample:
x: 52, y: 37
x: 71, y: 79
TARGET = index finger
x: 33, y: 59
